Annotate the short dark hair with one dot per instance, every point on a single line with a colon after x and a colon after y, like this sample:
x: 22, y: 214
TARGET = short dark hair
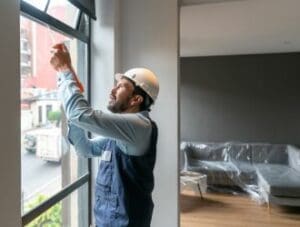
x: 147, y: 100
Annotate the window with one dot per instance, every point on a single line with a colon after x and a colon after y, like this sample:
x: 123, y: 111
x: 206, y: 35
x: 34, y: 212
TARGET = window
x: 51, y: 170
x: 64, y: 11
x: 25, y: 53
x: 39, y: 4
x: 40, y: 116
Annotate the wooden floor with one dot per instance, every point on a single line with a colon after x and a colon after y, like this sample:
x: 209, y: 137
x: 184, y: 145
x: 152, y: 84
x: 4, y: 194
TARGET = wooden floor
x: 218, y: 210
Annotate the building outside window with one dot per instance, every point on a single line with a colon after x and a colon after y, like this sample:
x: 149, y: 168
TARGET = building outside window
x: 55, y: 181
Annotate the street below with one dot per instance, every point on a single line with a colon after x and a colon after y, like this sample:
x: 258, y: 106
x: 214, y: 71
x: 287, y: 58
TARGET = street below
x: 39, y: 176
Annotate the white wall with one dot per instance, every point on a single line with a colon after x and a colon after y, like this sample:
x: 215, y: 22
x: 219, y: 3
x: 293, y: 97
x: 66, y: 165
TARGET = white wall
x: 104, y: 57
x: 10, y: 213
x: 240, y: 27
x: 143, y: 33
x: 104, y: 62
x: 149, y: 38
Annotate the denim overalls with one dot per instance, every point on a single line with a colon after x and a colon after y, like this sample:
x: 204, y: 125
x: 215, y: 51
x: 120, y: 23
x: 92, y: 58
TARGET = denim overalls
x: 124, y: 185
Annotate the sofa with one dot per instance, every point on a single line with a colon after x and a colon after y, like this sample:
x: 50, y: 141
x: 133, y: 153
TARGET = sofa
x: 270, y: 172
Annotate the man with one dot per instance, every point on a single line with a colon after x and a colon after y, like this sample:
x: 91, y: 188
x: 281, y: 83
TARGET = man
x: 125, y: 179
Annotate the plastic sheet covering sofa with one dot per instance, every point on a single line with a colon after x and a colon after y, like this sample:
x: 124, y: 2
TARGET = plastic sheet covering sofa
x: 268, y: 172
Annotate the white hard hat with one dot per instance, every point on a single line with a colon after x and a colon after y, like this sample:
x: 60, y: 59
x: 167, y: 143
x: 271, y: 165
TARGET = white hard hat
x: 143, y: 78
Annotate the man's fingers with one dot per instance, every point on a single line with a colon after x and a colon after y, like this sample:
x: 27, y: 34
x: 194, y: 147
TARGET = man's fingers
x: 58, y: 46
x: 64, y: 48
x: 61, y: 47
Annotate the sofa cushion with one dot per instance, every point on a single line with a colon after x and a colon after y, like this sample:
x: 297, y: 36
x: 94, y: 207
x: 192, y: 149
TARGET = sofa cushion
x: 225, y: 173
x: 294, y: 157
x: 211, y: 165
x: 240, y: 152
x: 279, y: 180
x: 269, y: 153
x: 217, y: 172
x: 208, y: 151
x: 246, y: 173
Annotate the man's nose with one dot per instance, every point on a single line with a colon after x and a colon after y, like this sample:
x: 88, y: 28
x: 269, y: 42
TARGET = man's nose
x: 113, y: 90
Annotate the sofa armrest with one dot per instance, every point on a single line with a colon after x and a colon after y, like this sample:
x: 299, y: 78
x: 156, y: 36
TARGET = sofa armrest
x: 182, y: 156
x: 294, y: 157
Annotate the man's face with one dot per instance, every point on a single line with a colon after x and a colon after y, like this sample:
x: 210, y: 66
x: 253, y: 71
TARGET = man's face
x: 120, y: 95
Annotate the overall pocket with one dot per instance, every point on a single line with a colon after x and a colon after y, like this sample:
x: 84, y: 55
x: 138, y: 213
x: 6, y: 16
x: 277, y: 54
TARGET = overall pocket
x: 104, y: 177
x: 105, y: 209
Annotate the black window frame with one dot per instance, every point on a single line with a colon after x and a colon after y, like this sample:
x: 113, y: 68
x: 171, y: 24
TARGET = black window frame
x: 43, y: 18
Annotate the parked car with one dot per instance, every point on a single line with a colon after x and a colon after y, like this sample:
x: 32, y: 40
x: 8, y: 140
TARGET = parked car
x: 30, y: 142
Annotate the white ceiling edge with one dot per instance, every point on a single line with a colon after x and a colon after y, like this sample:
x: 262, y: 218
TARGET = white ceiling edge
x: 197, y: 2
x: 240, y: 27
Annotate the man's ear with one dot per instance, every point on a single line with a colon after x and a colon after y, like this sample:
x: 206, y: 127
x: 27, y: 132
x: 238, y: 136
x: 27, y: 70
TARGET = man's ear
x: 136, y: 100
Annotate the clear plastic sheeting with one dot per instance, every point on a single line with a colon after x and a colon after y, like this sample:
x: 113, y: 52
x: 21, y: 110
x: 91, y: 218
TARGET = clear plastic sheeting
x: 267, y: 172
x: 194, y: 180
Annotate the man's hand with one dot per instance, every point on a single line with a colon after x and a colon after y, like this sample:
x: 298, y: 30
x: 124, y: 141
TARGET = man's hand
x: 61, y: 60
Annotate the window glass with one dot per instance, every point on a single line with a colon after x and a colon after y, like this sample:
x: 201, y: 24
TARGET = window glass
x: 71, y: 211
x: 40, y: 4
x: 64, y: 11
x: 48, y: 163
x: 84, y: 24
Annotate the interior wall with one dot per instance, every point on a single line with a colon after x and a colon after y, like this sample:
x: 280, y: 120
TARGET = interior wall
x: 10, y: 168
x: 149, y: 38
x: 239, y: 27
x: 144, y: 34
x: 252, y: 98
x: 104, y: 61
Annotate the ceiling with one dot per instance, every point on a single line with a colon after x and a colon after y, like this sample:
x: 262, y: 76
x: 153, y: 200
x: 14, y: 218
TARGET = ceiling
x: 197, y: 2
x: 231, y: 27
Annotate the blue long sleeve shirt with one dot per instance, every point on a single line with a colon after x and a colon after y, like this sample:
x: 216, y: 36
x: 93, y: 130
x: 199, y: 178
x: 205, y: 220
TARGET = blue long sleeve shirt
x: 132, y: 131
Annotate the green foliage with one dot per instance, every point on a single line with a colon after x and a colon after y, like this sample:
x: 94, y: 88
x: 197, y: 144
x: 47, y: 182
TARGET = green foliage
x: 50, y: 218
x: 54, y: 116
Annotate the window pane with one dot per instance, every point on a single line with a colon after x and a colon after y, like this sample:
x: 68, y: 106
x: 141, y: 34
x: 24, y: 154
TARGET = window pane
x: 71, y: 211
x: 64, y: 11
x: 40, y: 4
x: 48, y: 162
x: 84, y: 24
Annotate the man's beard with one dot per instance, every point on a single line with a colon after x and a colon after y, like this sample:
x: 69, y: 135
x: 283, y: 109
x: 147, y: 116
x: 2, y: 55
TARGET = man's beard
x: 118, y: 107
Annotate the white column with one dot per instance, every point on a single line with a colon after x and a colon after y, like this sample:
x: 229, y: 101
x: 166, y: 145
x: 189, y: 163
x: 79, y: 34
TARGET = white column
x: 104, y: 62
x: 10, y: 161
x: 131, y: 33
x: 149, y: 38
